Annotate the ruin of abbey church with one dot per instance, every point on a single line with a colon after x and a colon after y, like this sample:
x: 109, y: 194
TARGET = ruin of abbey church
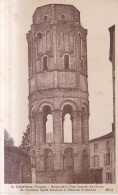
x: 58, y: 92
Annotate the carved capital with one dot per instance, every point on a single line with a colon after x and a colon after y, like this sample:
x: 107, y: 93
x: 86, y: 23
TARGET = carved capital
x: 53, y: 22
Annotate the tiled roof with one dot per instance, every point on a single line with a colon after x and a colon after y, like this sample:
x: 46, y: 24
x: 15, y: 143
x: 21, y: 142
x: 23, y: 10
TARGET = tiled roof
x: 109, y: 135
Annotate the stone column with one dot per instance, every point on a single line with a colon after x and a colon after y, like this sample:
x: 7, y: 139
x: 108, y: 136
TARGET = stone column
x: 33, y: 175
x: 42, y: 163
x: 76, y: 121
x: 38, y: 160
x: 57, y: 133
x: 37, y: 119
x: 41, y: 128
x: 30, y: 119
x: 58, y: 160
x: 83, y: 46
x: 77, y: 44
x: 78, y: 162
x: 33, y: 131
x: 54, y: 40
x: 57, y: 126
x: 87, y: 129
x: 79, y: 127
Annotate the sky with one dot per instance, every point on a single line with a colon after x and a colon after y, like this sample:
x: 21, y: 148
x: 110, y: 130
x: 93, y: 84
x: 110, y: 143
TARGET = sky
x: 16, y: 18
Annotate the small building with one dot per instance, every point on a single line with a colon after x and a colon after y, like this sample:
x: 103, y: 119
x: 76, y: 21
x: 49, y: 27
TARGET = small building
x: 102, y: 163
x: 17, y: 166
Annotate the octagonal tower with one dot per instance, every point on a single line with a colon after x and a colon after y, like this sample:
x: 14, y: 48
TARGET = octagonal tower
x: 58, y: 89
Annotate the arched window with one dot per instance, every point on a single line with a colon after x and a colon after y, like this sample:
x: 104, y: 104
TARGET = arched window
x: 83, y: 126
x: 48, y: 160
x: 67, y: 124
x: 49, y: 129
x: 39, y: 35
x: 66, y: 62
x: 63, y: 16
x: 45, y: 63
x: 48, y: 125
x: 82, y: 66
x: 68, y: 160
x: 45, y: 17
x: 39, y: 43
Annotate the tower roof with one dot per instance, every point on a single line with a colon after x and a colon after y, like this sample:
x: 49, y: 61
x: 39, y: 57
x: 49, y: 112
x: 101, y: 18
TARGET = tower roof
x: 56, y: 11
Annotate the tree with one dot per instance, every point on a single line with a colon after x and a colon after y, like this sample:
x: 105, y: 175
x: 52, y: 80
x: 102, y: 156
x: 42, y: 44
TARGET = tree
x: 8, y: 141
x: 25, y: 144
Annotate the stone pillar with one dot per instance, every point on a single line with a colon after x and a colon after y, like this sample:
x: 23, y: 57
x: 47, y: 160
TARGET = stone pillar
x: 87, y: 130
x: 84, y: 130
x: 76, y: 121
x: 33, y: 175
x: 57, y: 126
x: 74, y: 127
x: 30, y: 119
x: 83, y: 46
x: 54, y: 40
x: 37, y: 119
x: 33, y: 131
x: 42, y: 163
x: 37, y: 160
x: 78, y: 162
x: 41, y: 128
x: 57, y: 132
x: 58, y: 161
x: 77, y: 44
x: 79, y: 127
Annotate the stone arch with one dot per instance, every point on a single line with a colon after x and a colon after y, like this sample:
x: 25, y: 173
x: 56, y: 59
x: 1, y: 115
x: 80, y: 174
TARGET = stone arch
x: 79, y: 34
x: 67, y: 124
x: 47, y: 124
x: 40, y: 34
x: 32, y: 111
x: 47, y: 103
x: 69, y: 102
x: 85, y: 106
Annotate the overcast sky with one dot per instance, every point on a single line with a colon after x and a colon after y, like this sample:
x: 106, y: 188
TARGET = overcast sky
x: 96, y: 16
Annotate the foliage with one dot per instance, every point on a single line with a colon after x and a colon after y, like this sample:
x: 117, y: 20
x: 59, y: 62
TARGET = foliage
x: 25, y: 145
x: 8, y: 141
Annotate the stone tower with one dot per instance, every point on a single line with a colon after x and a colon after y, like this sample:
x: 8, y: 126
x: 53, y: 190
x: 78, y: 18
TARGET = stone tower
x: 58, y: 89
